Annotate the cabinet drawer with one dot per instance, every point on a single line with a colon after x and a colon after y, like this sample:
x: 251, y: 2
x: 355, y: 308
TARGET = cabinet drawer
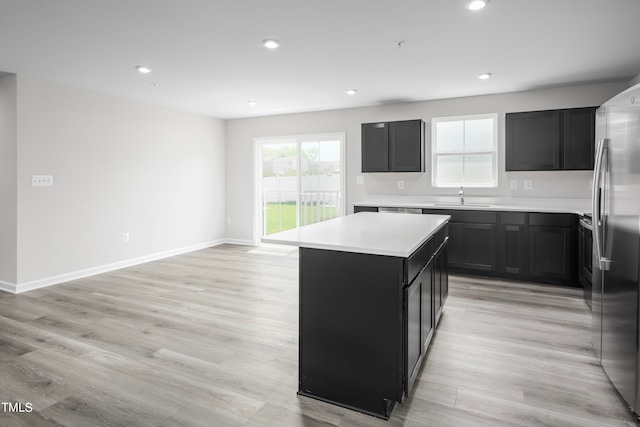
x: 552, y: 220
x: 474, y: 217
x: 439, y: 237
x: 513, y: 218
x: 417, y: 260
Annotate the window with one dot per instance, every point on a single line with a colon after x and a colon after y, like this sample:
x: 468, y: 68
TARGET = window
x: 464, y: 151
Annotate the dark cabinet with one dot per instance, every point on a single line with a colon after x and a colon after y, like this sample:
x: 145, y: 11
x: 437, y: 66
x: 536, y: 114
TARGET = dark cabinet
x: 393, y: 146
x: 375, y: 147
x: 428, y: 316
x: 533, y: 141
x: 414, y: 329
x: 472, y: 236
x: 424, y: 299
x: 476, y: 246
x: 550, y: 140
x: 512, y: 243
x: 420, y: 322
x: 440, y: 281
x: 552, y: 246
x: 532, y: 246
x: 541, y: 247
x: 579, y: 138
x: 365, y: 323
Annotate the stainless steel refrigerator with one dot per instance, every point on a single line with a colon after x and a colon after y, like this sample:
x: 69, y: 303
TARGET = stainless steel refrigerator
x: 616, y: 243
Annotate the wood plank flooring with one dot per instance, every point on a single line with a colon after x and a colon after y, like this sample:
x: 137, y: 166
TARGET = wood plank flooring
x: 210, y: 338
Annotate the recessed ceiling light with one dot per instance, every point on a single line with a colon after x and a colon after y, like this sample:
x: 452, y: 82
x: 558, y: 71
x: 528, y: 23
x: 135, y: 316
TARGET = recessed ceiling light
x: 143, y: 69
x: 477, y: 4
x: 351, y: 91
x: 252, y: 103
x: 484, y: 76
x: 270, y: 43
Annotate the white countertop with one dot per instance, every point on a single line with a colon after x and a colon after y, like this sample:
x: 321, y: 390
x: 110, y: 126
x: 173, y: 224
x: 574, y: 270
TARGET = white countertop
x: 575, y: 206
x: 390, y: 234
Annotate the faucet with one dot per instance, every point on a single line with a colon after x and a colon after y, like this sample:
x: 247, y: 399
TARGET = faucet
x: 461, y: 194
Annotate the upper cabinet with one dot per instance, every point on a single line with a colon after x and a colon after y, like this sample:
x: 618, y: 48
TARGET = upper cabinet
x: 579, y: 138
x: 393, y: 146
x: 550, y: 140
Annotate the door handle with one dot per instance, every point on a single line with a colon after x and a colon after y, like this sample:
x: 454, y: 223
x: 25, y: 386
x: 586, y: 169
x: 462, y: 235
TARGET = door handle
x: 603, y: 263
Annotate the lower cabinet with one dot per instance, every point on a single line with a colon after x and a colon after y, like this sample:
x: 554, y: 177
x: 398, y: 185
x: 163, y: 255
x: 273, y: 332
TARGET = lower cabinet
x: 424, y: 299
x: 366, y: 322
x: 553, y: 246
x: 532, y: 246
x: 512, y: 243
x: 418, y: 300
x: 428, y: 323
x: 472, y: 237
x: 474, y: 246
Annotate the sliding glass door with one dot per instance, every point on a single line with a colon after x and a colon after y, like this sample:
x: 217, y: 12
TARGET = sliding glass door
x: 300, y: 181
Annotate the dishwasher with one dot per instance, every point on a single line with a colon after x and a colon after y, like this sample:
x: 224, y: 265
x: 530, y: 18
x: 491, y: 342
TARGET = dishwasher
x: 401, y: 210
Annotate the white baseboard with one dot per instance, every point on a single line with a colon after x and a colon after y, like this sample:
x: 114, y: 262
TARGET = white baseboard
x: 240, y: 242
x: 41, y: 283
x: 7, y: 287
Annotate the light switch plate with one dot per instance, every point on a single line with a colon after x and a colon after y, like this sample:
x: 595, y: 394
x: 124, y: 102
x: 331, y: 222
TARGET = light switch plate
x: 359, y: 179
x: 41, y: 180
x: 513, y: 184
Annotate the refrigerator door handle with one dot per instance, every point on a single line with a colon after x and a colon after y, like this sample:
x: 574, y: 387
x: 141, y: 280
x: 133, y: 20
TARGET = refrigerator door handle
x: 603, y: 263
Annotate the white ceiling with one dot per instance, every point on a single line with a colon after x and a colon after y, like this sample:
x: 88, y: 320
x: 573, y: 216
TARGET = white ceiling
x: 207, y: 55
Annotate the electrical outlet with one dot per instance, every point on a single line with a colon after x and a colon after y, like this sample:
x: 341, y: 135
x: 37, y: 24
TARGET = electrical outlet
x: 400, y: 185
x: 228, y: 221
x: 513, y: 184
x: 41, y: 180
x: 359, y: 179
x: 125, y: 237
x: 528, y: 184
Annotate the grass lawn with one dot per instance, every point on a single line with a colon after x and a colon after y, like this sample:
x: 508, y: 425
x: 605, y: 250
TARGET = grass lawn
x: 283, y: 217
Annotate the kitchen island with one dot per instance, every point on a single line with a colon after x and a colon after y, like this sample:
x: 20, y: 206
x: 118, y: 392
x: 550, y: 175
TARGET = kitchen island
x: 372, y: 287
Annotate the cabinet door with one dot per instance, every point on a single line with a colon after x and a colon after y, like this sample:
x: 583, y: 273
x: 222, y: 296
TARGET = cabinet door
x: 406, y: 146
x: 443, y: 266
x: 551, y: 252
x: 578, y: 143
x: 428, y: 320
x: 512, y: 248
x: 476, y: 246
x: 533, y: 140
x: 413, y: 331
x: 437, y: 290
x: 375, y: 147
x: 440, y: 281
x: 455, y: 243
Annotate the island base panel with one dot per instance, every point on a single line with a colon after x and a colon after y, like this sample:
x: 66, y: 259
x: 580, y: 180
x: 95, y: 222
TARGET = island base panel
x: 382, y: 412
x: 351, y: 329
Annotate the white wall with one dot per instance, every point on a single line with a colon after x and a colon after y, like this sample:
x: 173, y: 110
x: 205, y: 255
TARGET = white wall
x: 241, y: 132
x: 8, y: 190
x: 118, y: 166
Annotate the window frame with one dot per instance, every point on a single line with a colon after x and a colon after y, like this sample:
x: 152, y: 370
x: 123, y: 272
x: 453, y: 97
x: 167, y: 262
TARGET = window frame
x: 260, y: 142
x: 435, y: 154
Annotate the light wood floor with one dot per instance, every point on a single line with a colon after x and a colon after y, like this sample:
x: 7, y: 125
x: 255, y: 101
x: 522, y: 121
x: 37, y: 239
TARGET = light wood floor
x: 210, y: 339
